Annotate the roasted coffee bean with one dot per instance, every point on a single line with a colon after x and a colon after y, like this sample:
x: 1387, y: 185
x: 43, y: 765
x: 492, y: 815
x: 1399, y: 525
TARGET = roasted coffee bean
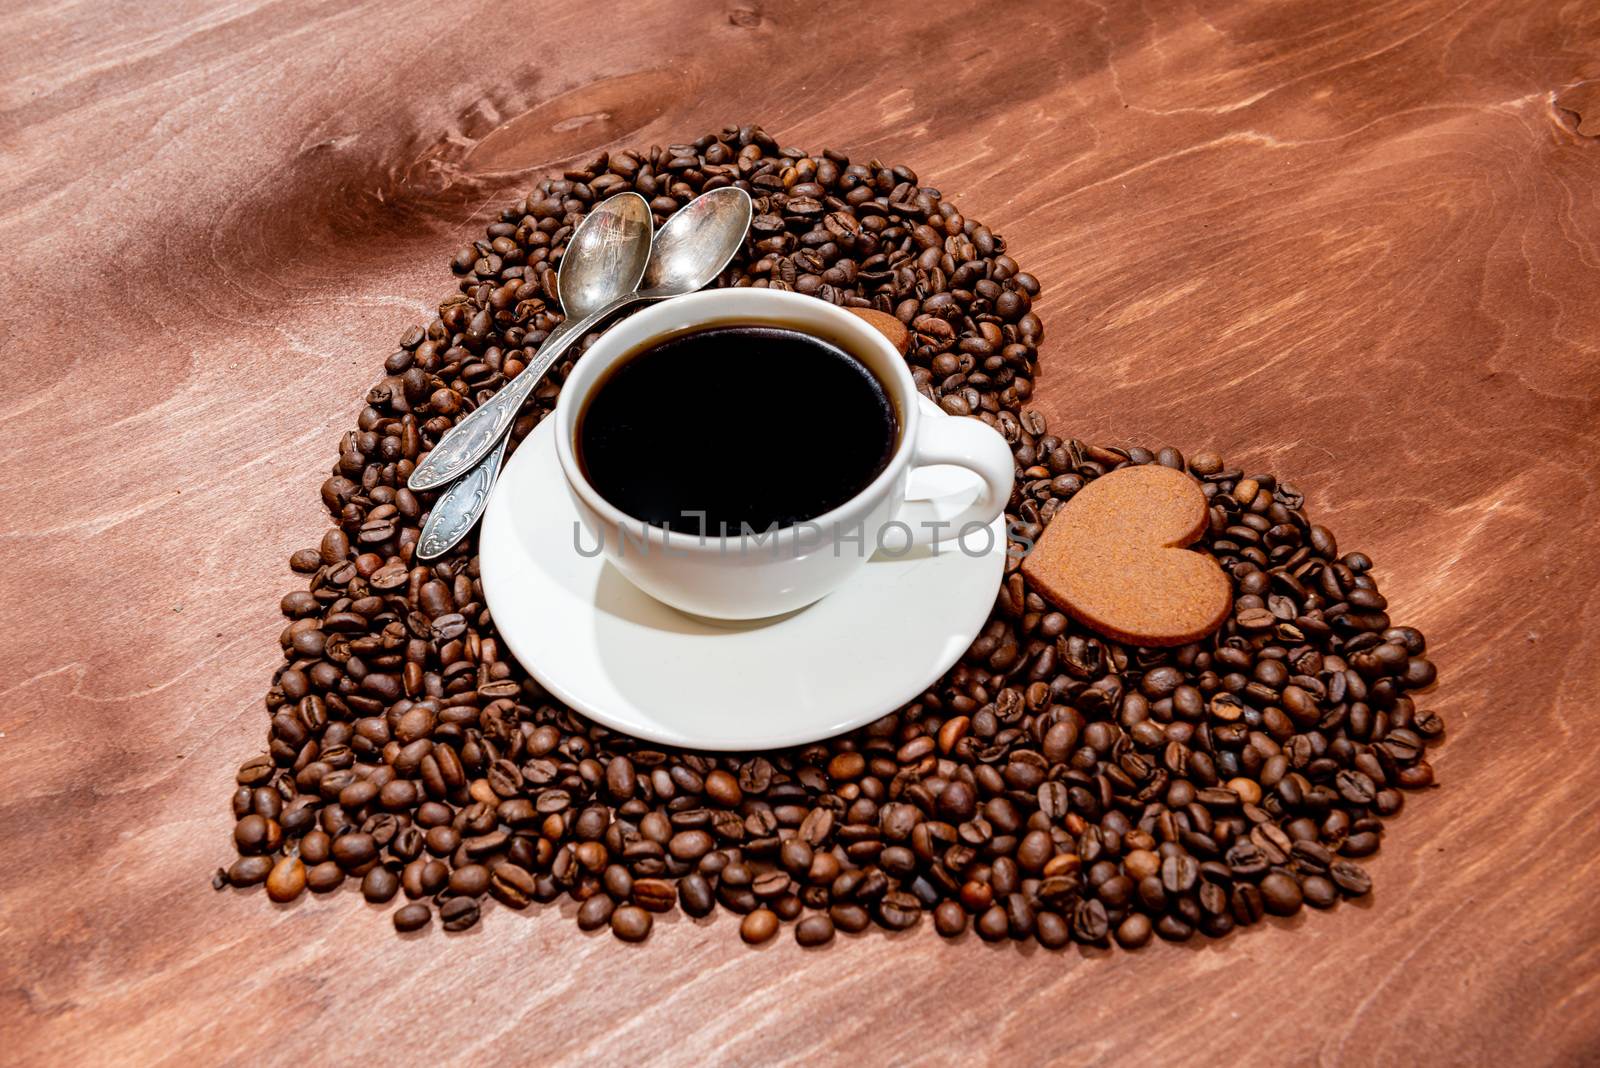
x: 1090, y: 922
x: 412, y: 917
x: 1052, y: 930
x: 957, y: 801
x: 1356, y: 787
x: 817, y: 827
x: 1281, y: 894
x: 1246, y: 904
x: 353, y: 850
x: 618, y: 881
x: 1019, y: 915
x: 695, y: 895
x: 1351, y: 879
x: 324, y: 877
x: 380, y: 885
x: 1178, y: 873
x: 1174, y: 928
x: 620, y: 778
x: 796, y: 855
x: 248, y: 871
x: 770, y: 885
x: 899, y: 911
x: 814, y: 930
x: 422, y: 877
x: 657, y: 895
x: 287, y: 879
x: 992, y: 924
x: 1134, y: 931
x: 950, y: 919
x: 631, y: 923
x: 512, y: 885
x: 257, y: 834
x: 1362, y: 844
x: 458, y: 913
x: 690, y: 845
x: 469, y: 880
x: 1319, y: 891
x: 723, y: 789
x: 1141, y: 864
x: 595, y: 912
x: 1053, y: 781
x: 1034, y: 851
x: 759, y: 926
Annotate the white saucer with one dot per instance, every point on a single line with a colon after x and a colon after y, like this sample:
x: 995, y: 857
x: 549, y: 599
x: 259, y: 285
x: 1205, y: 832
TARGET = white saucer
x: 628, y: 661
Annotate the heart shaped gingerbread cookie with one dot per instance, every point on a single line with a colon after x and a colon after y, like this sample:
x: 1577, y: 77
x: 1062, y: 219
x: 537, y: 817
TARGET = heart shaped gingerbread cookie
x: 1114, y: 559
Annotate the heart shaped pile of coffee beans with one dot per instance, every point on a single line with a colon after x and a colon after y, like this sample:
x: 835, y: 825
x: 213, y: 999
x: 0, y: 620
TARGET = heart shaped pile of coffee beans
x: 1055, y: 785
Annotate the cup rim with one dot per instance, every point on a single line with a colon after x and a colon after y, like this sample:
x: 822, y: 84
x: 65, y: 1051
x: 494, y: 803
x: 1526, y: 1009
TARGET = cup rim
x: 638, y: 330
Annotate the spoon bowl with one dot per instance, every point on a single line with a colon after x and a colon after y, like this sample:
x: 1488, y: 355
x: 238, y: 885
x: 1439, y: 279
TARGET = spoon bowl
x: 606, y: 257
x: 697, y: 243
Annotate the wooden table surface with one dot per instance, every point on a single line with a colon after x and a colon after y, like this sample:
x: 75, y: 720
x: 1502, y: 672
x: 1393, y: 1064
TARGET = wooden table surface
x: 1355, y: 243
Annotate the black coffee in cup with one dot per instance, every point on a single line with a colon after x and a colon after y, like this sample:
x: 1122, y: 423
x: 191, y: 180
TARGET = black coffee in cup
x: 735, y: 427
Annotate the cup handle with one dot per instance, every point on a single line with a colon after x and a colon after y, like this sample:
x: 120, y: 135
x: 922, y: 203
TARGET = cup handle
x: 960, y: 442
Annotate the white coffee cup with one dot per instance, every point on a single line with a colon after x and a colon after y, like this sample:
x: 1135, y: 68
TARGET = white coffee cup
x: 751, y: 576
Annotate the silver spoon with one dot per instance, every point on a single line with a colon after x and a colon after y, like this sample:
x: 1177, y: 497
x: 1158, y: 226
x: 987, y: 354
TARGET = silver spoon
x: 694, y: 246
x: 605, y: 259
x: 689, y: 252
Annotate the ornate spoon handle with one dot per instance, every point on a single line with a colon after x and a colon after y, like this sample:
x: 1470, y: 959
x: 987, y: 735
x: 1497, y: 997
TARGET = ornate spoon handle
x: 459, y: 507
x: 474, y: 437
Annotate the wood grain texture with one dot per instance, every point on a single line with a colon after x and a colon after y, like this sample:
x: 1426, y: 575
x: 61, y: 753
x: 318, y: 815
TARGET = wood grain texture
x: 1357, y: 244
